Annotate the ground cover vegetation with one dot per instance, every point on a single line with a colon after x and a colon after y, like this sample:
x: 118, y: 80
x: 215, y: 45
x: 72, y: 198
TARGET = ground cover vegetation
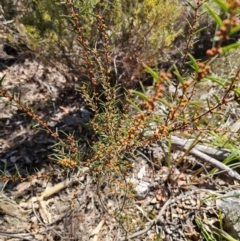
x: 115, y: 48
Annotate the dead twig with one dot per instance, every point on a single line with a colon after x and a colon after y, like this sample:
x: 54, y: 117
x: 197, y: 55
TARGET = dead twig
x: 97, y: 230
x: 62, y: 185
x: 160, y: 214
x: 40, y: 221
x: 18, y: 235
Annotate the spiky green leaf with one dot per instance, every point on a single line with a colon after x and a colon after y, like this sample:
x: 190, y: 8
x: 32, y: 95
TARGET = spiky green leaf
x: 216, y: 98
x: 214, y: 15
x: 135, y: 106
x: 153, y: 73
x: 223, y: 5
x: 216, y: 80
x: 178, y: 75
x: 194, y: 64
x: 190, y: 4
x: 1, y: 80
x: 230, y: 46
x: 199, y: 30
x: 237, y: 92
x: 140, y: 94
x: 234, y: 30
x: 142, y: 87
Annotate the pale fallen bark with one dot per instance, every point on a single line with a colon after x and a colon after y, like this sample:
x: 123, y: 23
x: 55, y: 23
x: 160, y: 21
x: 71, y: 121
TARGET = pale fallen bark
x: 219, y: 154
x: 207, y: 154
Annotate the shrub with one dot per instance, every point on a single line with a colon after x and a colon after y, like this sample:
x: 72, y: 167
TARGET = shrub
x: 139, y: 24
x: 172, y: 106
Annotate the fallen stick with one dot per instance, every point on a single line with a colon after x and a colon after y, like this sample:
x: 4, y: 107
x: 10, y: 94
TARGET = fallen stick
x: 198, y: 151
x: 219, y: 154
